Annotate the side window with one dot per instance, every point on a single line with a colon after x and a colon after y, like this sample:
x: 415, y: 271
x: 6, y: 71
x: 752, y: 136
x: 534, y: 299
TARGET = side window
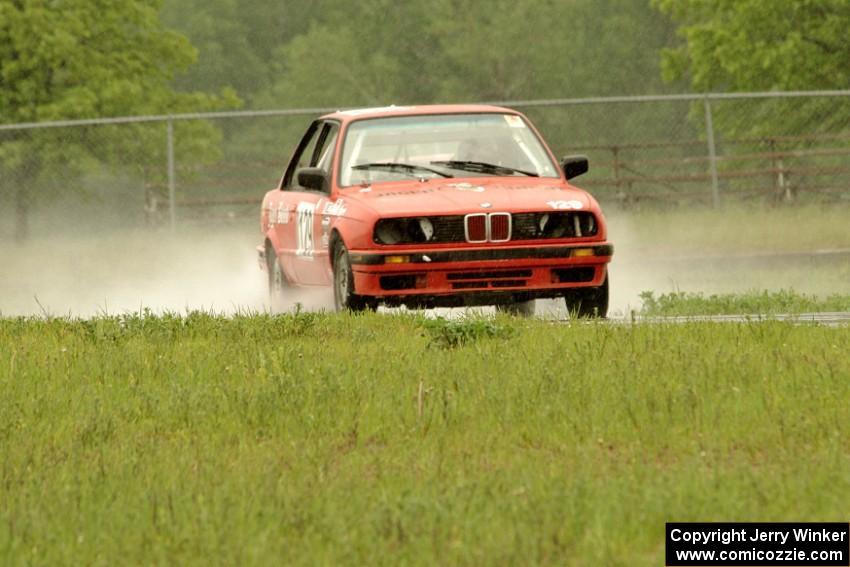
x: 324, y: 153
x: 315, y: 150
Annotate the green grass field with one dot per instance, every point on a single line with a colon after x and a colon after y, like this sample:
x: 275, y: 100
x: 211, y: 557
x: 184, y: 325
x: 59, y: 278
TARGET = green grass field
x: 333, y: 439
x: 753, y: 303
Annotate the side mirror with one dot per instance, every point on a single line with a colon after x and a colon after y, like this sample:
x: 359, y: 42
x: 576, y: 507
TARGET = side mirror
x: 574, y: 166
x: 312, y: 178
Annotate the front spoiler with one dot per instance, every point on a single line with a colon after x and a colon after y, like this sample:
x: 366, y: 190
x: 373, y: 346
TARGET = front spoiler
x: 469, y: 298
x: 479, y: 276
x: 484, y: 254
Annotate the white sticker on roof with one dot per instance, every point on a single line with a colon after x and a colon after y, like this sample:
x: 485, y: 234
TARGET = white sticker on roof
x: 361, y: 111
x: 514, y: 121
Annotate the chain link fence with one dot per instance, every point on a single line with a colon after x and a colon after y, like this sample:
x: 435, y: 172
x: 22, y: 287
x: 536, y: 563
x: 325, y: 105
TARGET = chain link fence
x: 709, y: 149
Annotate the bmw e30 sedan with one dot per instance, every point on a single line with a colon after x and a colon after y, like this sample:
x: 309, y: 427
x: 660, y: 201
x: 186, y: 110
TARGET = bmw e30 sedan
x: 434, y: 206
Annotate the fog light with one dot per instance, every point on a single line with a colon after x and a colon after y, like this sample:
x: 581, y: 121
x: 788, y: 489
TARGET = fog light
x: 582, y: 252
x: 396, y: 259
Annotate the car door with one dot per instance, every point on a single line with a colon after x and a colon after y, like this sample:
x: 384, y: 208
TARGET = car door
x: 304, y: 258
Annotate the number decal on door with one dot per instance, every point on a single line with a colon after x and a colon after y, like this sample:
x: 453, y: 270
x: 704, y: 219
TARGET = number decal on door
x: 304, y: 229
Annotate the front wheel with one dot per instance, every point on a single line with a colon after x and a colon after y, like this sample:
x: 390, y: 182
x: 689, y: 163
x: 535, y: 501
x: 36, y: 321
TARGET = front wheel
x: 589, y: 301
x: 344, y: 296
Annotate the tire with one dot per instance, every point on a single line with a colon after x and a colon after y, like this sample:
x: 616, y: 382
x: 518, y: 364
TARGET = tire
x: 278, y: 284
x: 517, y: 308
x: 588, y: 302
x: 343, y: 283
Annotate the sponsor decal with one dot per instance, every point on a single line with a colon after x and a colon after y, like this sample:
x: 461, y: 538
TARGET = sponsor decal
x: 277, y: 214
x: 571, y: 205
x: 405, y: 193
x: 282, y: 214
x: 334, y: 209
x: 467, y: 187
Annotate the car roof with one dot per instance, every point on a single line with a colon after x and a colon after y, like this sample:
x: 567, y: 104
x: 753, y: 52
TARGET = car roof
x: 388, y: 111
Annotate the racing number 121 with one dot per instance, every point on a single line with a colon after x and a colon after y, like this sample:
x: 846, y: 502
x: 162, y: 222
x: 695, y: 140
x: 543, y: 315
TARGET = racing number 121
x: 304, y: 229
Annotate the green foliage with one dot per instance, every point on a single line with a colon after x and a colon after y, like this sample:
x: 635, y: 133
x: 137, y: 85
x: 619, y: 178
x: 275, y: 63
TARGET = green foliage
x: 381, y: 52
x: 452, y: 333
x: 260, y: 440
x: 752, y: 303
x: 507, y: 50
x: 235, y: 40
x: 333, y: 53
x: 90, y: 60
x: 758, y: 45
x: 764, y: 45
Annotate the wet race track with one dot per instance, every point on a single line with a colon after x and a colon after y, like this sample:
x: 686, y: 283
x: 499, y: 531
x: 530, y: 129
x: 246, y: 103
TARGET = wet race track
x: 217, y: 272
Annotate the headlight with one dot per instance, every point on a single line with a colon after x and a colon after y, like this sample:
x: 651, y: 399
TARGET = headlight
x: 566, y: 225
x: 427, y: 228
x: 388, y: 231
x: 554, y: 225
x: 403, y: 231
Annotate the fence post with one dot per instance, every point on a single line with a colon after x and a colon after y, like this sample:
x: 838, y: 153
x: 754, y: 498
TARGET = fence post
x: 712, y: 155
x: 781, y: 190
x: 615, y: 153
x: 618, y: 181
x: 172, y: 205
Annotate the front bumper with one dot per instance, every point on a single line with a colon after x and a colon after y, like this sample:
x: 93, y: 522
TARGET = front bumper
x: 491, y: 274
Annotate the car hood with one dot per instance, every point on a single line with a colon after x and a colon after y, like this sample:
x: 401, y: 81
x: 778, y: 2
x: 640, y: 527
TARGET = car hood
x: 453, y: 196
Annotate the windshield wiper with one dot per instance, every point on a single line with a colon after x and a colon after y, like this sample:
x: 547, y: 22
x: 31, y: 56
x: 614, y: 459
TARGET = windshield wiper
x: 409, y: 167
x: 482, y: 167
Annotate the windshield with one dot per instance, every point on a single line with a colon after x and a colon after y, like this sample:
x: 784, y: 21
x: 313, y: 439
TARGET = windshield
x: 445, y: 145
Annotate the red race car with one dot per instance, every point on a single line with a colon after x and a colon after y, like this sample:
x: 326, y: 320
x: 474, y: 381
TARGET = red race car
x: 432, y: 206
